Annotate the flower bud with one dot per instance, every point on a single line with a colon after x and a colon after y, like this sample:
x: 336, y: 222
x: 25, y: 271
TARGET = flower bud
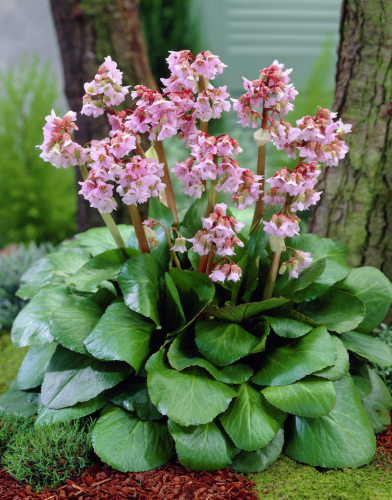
x: 261, y: 137
x: 277, y: 244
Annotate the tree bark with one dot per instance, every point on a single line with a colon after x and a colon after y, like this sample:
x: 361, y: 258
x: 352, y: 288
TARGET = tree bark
x: 89, y: 30
x: 356, y: 206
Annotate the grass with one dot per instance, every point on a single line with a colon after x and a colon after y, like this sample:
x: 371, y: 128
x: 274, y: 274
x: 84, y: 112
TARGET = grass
x: 10, y: 360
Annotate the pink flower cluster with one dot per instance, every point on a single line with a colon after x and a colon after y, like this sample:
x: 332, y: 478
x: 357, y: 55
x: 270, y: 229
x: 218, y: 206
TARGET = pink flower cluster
x: 218, y: 234
x: 224, y: 271
x: 282, y: 226
x: 58, y: 147
x: 272, y: 89
x: 105, y: 90
x: 297, y: 264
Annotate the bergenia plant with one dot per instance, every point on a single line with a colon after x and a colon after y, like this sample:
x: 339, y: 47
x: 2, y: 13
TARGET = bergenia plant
x: 210, y: 339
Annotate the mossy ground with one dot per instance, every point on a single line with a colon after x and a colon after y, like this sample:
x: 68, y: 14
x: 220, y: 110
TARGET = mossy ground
x: 10, y: 360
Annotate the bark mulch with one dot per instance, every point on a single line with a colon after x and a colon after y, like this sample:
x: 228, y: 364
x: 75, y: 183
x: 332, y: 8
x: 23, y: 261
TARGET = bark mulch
x: 172, y: 481
x: 384, y: 440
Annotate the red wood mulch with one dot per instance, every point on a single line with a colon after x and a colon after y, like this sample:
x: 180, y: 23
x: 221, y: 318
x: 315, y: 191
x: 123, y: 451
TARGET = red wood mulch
x: 384, y: 440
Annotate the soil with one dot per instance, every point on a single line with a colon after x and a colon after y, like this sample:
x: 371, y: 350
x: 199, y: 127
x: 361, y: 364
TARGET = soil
x: 384, y: 440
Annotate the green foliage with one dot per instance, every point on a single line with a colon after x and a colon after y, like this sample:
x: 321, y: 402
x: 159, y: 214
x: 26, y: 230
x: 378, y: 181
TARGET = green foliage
x: 384, y: 333
x: 11, y: 359
x: 47, y: 455
x: 42, y: 201
x: 10, y: 425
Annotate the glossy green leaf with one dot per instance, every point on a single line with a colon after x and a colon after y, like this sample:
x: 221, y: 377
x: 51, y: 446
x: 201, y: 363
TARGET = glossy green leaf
x: 378, y: 404
x: 32, y: 370
x: 190, y: 397
x: 375, y: 289
x: 289, y: 328
x: 192, y: 220
x: 196, y: 291
x: 19, y: 402
x: 174, y: 313
x: 339, y: 311
x: 121, y: 335
x: 298, y: 358
x: 257, y: 461
x: 127, y: 443
x: 105, y: 266
x: 251, y: 421
x: 362, y: 383
x: 138, y: 281
x: 46, y: 416
x: 202, y: 448
x: 74, y: 378
x: 51, y: 271
x: 99, y: 239
x: 257, y: 243
x: 158, y: 211
x: 183, y: 353
x: 31, y: 326
x: 288, y: 288
x: 341, y: 366
x: 310, y: 397
x: 343, y: 438
x: 243, y: 312
x: 367, y: 346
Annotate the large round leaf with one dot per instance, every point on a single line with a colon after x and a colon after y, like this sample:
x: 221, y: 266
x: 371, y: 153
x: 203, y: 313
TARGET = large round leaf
x: 192, y: 219
x: 223, y: 343
x: 129, y: 444
x: 367, y: 346
x: 339, y: 311
x: 243, y: 312
x: 175, y: 319
x: 257, y: 461
x: 121, y: 335
x: 19, y: 402
x: 46, y: 416
x: 251, y: 421
x: 161, y: 254
x: 190, y: 397
x: 341, y: 366
x: 51, y: 271
x: 309, y: 397
x: 99, y: 239
x: 202, y: 448
x: 132, y: 395
x: 375, y: 289
x: 104, y: 266
x: 139, y: 284
x: 289, y: 287
x: 73, y: 378
x: 301, y: 357
x: 289, y: 328
x: 343, y: 438
x: 32, y: 370
x: 183, y: 353
x: 31, y: 326
x: 378, y: 404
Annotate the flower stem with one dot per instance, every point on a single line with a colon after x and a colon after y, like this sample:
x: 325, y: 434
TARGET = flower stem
x: 171, y: 201
x: 259, y: 208
x: 273, y: 271
x: 107, y: 218
x: 203, y: 260
x: 201, y: 84
x: 176, y: 260
x: 139, y: 229
x: 210, y: 263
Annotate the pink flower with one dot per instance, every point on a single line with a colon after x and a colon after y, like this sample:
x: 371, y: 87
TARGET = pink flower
x: 179, y: 245
x: 231, y: 272
x: 282, y: 226
x: 296, y: 265
x: 98, y: 192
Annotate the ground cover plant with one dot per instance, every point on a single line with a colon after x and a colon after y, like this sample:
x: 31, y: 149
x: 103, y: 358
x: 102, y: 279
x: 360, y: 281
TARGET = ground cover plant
x: 209, y: 339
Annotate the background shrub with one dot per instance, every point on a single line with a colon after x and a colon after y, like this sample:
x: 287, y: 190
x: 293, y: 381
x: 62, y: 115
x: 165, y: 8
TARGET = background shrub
x: 384, y: 333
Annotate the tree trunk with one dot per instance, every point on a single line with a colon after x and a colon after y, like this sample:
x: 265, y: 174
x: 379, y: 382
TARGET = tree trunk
x: 89, y: 30
x: 356, y: 206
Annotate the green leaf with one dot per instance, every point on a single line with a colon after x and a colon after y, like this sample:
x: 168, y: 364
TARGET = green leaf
x: 138, y: 281
x: 19, y: 402
x: 298, y: 358
x: 289, y: 328
x: 374, y: 289
x: 369, y: 347
x: 99, y: 239
x: 251, y: 421
x: 32, y: 370
x: 288, y: 288
x: 341, y: 366
x: 129, y: 444
x: 50, y: 271
x: 309, y: 397
x: 31, y: 326
x: 46, y: 416
x: 121, y: 335
x: 192, y: 220
x: 362, y: 383
x: 132, y: 395
x: 223, y: 343
x: 104, y: 266
x: 257, y: 461
x: 183, y: 353
x: 72, y: 323
x: 202, y: 448
x: 378, y: 404
x: 190, y: 397
x: 174, y: 313
x: 243, y: 312
x: 339, y: 311
x: 257, y: 243
x: 196, y: 290
x: 73, y: 378
x: 158, y: 211
x: 343, y: 438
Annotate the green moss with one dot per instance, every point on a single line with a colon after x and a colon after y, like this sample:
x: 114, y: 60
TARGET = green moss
x: 10, y: 360
x: 289, y: 479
